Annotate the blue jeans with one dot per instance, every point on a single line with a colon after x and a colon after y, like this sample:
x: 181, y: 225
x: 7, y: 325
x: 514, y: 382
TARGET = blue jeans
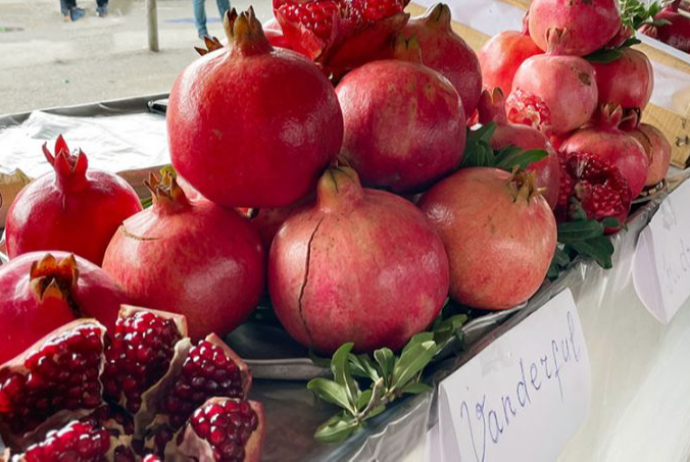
x: 200, y: 14
x: 67, y: 5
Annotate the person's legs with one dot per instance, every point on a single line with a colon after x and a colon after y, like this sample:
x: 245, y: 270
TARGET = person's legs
x: 200, y: 17
x: 102, y: 8
x: 65, y: 6
x: 223, y: 7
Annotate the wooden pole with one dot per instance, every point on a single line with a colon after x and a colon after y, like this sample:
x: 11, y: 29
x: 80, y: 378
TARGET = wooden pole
x: 152, y: 19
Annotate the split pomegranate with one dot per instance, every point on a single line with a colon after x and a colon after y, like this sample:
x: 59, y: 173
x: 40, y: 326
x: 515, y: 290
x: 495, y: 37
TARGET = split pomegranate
x: 446, y: 52
x: 404, y: 125
x: 238, y: 136
x: 41, y: 292
x: 591, y: 23
x: 627, y: 81
x: 360, y: 266
x: 72, y: 208
x: 552, y: 92
x: 596, y: 184
x: 546, y: 171
x: 501, y: 57
x: 225, y: 430
x: 658, y: 151
x: 499, y: 232
x: 676, y: 33
x: 604, y: 139
x: 51, y: 382
x: 193, y: 258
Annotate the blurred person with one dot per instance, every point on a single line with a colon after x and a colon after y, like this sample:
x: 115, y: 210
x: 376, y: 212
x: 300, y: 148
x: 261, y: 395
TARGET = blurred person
x: 71, y: 12
x: 200, y: 14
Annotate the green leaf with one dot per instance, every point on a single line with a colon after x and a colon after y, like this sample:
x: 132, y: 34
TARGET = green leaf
x: 376, y: 411
x: 604, y: 56
x: 168, y: 169
x: 340, y: 366
x: 331, y: 392
x: 600, y: 249
x: 147, y: 202
x: 417, y: 388
x: 386, y: 360
x: 412, y: 362
x: 337, y: 429
x: 444, y: 330
x: 574, y: 231
x: 521, y: 159
x: 363, y: 366
x: 364, y: 399
x: 318, y: 360
x: 483, y: 133
x: 416, y: 340
x: 611, y: 222
x: 560, y: 261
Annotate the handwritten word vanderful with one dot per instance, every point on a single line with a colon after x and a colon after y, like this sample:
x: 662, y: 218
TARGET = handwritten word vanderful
x: 493, y: 417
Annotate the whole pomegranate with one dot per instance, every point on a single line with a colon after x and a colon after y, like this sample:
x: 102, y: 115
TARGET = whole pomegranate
x: 501, y: 57
x: 604, y: 139
x: 404, y: 124
x: 591, y: 23
x: 675, y: 32
x: 268, y: 221
x: 627, y: 81
x: 499, y: 232
x: 193, y: 258
x: 360, y: 266
x: 546, y: 171
x: 238, y: 136
x: 553, y: 92
x: 42, y: 292
x: 658, y: 151
x: 72, y: 208
x: 446, y: 52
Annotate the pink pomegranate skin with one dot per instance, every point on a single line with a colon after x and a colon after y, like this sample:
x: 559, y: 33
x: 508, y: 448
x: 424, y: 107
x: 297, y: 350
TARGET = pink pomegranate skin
x: 446, y: 52
x: 627, y: 82
x: 605, y: 140
x: 546, y: 171
x: 502, y: 55
x: 500, y: 245
x: 238, y: 136
x: 591, y: 23
x: 404, y: 124
x: 30, y: 311
x: 658, y: 151
x: 193, y: 258
x: 360, y: 266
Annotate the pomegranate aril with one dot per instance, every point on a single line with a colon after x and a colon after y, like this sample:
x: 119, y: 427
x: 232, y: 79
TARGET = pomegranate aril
x: 528, y: 109
x: 77, y: 442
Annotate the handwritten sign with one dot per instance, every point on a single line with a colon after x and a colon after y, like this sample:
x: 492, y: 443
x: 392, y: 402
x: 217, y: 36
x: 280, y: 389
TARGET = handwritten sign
x: 524, y: 396
x: 661, y: 271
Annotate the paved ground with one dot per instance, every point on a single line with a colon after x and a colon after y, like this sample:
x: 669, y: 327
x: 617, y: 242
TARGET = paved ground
x: 45, y: 62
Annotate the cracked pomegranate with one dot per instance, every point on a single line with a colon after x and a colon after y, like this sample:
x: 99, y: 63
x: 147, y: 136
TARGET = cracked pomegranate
x: 42, y: 292
x: 627, y: 81
x: 216, y: 286
x: 553, y: 93
x: 238, y: 136
x: 360, y: 266
x: 499, y: 232
x: 72, y: 208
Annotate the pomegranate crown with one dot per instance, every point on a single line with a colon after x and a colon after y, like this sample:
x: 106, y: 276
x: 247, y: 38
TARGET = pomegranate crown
x: 437, y: 16
x: 525, y: 24
x: 166, y: 193
x: 557, y: 41
x: 69, y: 168
x: 50, y: 278
x: 408, y: 49
x: 611, y: 114
x: 339, y: 188
x: 210, y: 44
x: 492, y: 106
x: 522, y: 185
x: 245, y: 33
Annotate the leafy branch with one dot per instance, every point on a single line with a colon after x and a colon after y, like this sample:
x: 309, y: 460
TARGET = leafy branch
x: 636, y: 13
x: 609, y: 55
x: 478, y: 152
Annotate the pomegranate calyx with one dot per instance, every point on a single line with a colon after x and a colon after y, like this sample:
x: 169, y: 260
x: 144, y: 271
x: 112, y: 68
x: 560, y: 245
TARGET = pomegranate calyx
x: 525, y: 24
x: 610, y: 115
x: 438, y: 16
x: 166, y: 193
x: 339, y: 189
x: 52, y: 279
x: 557, y: 41
x: 408, y: 49
x: 492, y: 107
x: 70, y: 170
x: 245, y: 33
x: 211, y: 44
x: 522, y: 185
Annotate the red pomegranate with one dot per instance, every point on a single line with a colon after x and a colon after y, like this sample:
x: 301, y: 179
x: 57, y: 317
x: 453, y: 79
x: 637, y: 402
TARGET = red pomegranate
x: 499, y: 232
x: 676, y: 32
x: 193, y: 258
x: 360, y: 266
x: 446, y: 52
x: 72, y: 208
x: 268, y: 221
x: 42, y: 292
x: 546, y: 171
x: 552, y: 92
x: 501, y: 57
x: 275, y: 35
x: 234, y: 132
x: 627, y: 81
x: 658, y: 151
x: 404, y: 124
x: 591, y: 23
x: 604, y: 139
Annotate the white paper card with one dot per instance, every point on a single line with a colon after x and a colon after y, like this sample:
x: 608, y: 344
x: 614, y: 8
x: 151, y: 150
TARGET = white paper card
x: 661, y: 273
x: 524, y: 396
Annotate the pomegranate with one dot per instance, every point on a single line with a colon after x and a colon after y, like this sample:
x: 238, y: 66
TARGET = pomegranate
x: 658, y: 151
x: 234, y: 132
x: 215, y: 285
x: 591, y: 23
x: 446, y: 52
x: 552, y: 92
x: 42, y: 292
x: 605, y: 140
x: 51, y: 382
x: 268, y: 221
x: 224, y: 429
x: 499, y: 232
x: 596, y: 184
x: 72, y: 208
x: 627, y: 81
x: 546, y: 171
x: 501, y: 57
x: 404, y: 124
x: 360, y: 266
x: 676, y: 32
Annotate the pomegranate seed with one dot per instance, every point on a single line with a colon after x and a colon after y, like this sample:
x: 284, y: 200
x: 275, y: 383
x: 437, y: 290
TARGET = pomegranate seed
x: 528, y: 109
x: 77, y: 442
